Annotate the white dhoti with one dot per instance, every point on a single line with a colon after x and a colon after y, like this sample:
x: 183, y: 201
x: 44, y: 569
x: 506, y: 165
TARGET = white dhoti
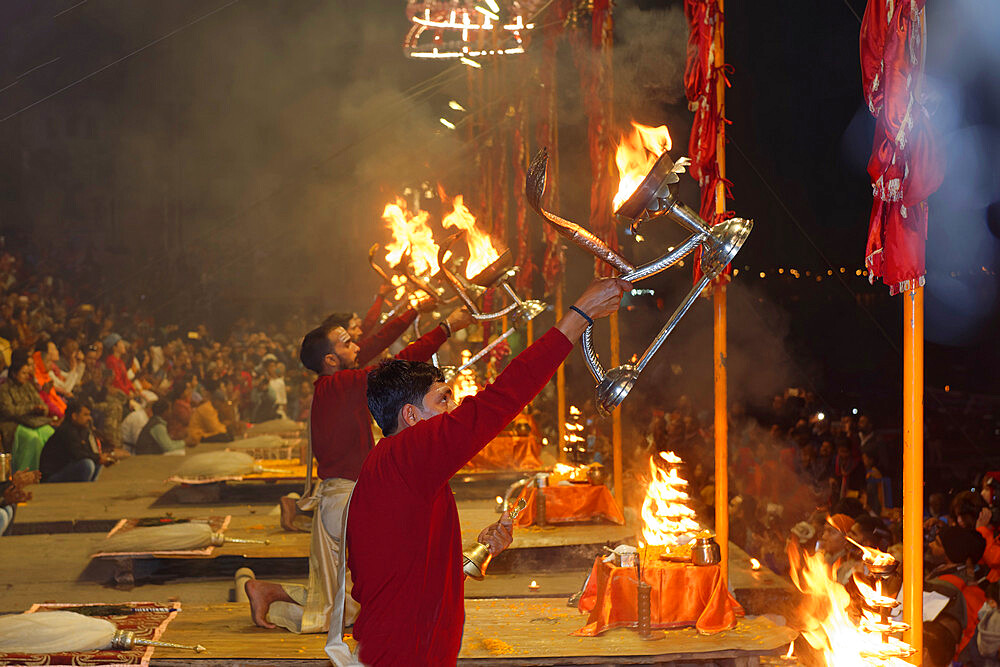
x: 326, y: 594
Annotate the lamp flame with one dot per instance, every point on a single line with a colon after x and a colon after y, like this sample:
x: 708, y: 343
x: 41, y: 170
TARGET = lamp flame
x: 637, y: 153
x: 410, y: 231
x: 667, y: 519
x: 481, y: 250
x: 830, y: 628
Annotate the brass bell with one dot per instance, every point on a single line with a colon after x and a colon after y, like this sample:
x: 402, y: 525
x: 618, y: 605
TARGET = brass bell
x: 477, y: 559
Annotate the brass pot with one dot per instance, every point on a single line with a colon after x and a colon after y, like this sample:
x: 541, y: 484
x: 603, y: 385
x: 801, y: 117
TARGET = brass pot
x: 706, y: 551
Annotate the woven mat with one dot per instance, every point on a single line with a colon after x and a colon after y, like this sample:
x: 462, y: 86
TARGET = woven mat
x: 145, y: 625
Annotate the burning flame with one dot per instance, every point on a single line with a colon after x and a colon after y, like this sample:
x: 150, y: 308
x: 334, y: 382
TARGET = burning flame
x: 667, y: 520
x: 637, y: 152
x: 410, y: 231
x: 481, y: 250
x: 754, y: 564
x: 843, y: 641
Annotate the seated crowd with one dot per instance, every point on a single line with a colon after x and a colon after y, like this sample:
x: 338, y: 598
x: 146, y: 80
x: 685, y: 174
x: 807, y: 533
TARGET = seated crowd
x: 82, y: 385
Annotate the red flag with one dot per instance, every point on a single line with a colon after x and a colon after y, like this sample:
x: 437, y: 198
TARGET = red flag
x: 702, y: 76
x: 905, y: 167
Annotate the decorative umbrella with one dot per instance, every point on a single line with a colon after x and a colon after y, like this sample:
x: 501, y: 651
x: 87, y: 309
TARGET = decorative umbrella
x: 171, y: 537
x: 68, y: 632
x: 218, y: 464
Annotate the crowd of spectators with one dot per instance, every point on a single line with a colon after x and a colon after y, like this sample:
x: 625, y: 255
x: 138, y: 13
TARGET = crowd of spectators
x: 83, y: 384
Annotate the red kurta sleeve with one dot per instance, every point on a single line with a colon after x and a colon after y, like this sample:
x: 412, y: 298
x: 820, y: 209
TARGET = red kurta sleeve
x: 371, y: 317
x: 370, y: 347
x: 422, y: 348
x: 430, y: 452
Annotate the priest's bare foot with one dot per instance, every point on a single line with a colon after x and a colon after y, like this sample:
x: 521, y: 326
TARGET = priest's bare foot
x: 288, y: 511
x: 261, y: 594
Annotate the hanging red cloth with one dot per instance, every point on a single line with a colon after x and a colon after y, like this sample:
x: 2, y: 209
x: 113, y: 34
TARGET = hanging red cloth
x: 593, y: 60
x: 702, y: 77
x: 905, y: 166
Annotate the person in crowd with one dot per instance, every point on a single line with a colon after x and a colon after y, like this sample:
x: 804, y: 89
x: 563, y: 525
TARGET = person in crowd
x: 115, y: 348
x: 939, y: 644
x: 848, y: 471
x: 73, y: 453
x: 12, y: 492
x: 205, y: 425
x: 180, y: 409
x: 43, y: 359
x: 69, y: 365
x: 154, y: 438
x: 25, y: 424
x: 225, y: 407
x: 402, y: 496
x: 983, y: 650
x: 958, y: 550
x: 341, y: 439
x: 134, y: 422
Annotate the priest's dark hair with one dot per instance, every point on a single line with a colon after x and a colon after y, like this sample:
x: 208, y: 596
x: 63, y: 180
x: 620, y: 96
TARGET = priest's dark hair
x: 393, y: 384
x: 334, y: 320
x: 315, y: 346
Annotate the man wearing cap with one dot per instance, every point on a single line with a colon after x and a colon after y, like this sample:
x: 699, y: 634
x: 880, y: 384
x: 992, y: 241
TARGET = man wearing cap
x: 340, y: 426
x: 960, y: 549
x: 115, y: 346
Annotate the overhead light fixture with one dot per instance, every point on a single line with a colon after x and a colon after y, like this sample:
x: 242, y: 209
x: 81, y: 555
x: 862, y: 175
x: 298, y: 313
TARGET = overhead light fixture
x: 470, y: 62
x: 487, y: 13
x: 456, y: 106
x: 447, y: 123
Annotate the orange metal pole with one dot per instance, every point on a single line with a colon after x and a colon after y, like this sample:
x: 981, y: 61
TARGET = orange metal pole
x: 913, y: 468
x: 719, y: 346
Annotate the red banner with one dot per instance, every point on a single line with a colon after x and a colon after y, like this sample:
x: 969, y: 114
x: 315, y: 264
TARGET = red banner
x: 905, y: 167
x: 702, y: 77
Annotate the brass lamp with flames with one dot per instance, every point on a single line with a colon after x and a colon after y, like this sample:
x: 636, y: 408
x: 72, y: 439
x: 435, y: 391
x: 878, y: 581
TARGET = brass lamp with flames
x: 655, y: 197
x: 496, y: 274
x: 477, y: 559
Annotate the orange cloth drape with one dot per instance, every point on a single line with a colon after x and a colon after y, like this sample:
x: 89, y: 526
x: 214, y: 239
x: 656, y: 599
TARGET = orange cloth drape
x: 509, y: 452
x: 683, y: 595
x: 569, y: 504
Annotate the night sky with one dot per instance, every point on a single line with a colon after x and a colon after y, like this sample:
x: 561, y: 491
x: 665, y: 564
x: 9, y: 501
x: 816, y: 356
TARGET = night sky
x: 231, y: 157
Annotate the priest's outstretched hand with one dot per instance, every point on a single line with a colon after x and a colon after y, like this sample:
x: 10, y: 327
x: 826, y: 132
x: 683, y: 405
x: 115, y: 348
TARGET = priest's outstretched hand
x: 498, y: 536
x: 601, y: 298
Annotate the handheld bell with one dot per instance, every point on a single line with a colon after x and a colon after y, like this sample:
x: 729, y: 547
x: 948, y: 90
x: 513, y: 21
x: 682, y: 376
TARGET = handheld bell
x: 477, y: 559
x: 655, y: 197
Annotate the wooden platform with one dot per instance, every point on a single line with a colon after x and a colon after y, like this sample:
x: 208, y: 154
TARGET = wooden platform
x: 497, y: 632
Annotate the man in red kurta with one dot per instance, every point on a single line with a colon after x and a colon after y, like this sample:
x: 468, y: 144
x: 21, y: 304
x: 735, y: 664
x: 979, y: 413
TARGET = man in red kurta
x: 403, y: 536
x: 341, y: 439
x: 336, y: 424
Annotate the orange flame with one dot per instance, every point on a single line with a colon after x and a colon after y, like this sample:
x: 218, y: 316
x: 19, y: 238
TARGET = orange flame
x: 667, y: 520
x: 410, y: 231
x: 842, y: 641
x: 481, y: 250
x: 637, y: 152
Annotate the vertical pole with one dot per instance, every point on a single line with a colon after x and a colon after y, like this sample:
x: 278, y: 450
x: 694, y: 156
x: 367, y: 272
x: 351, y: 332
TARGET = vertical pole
x: 719, y: 346
x: 616, y: 417
x: 913, y: 468
x: 561, y: 377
